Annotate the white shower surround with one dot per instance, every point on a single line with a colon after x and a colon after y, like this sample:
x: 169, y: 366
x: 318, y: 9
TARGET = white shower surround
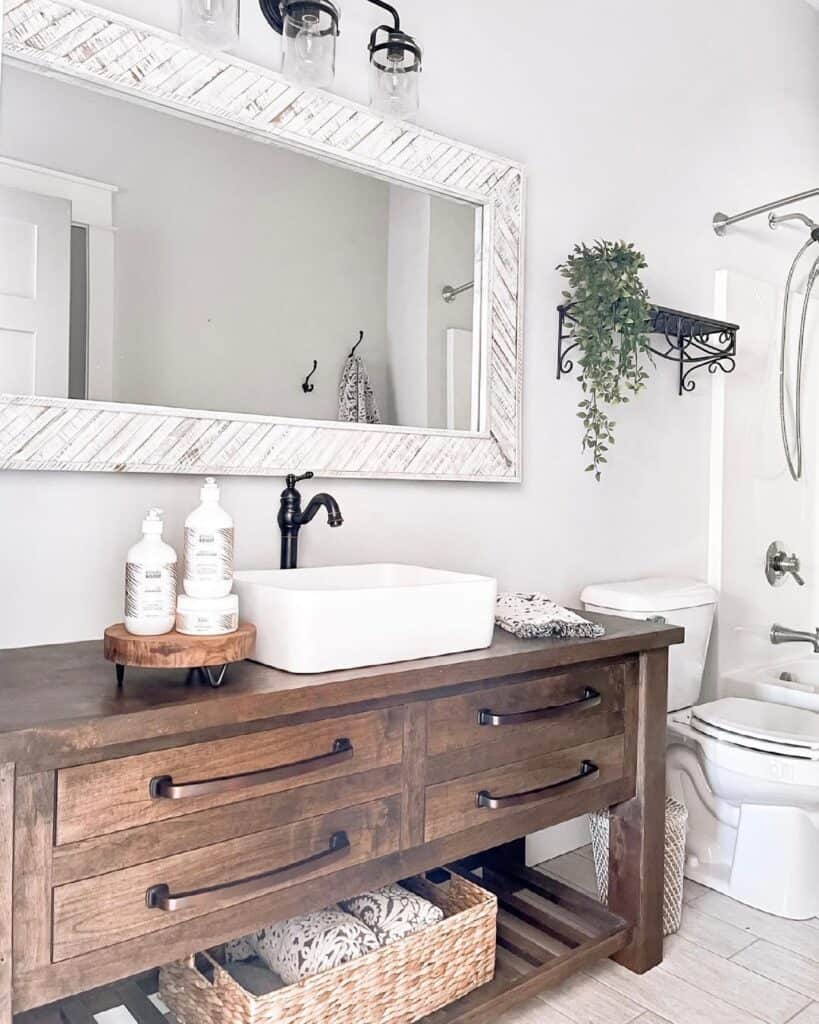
x: 82, y: 43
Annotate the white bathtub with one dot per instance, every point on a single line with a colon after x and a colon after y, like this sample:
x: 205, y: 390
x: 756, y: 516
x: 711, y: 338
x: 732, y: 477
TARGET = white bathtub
x: 799, y: 687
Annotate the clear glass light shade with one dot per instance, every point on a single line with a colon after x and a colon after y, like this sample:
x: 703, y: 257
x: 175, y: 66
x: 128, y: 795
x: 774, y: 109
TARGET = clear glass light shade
x: 309, y: 38
x: 395, y: 71
x: 210, y: 23
x: 394, y: 94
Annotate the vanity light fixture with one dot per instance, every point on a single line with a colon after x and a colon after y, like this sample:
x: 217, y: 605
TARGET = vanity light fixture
x: 309, y: 30
x: 210, y: 23
x: 395, y: 68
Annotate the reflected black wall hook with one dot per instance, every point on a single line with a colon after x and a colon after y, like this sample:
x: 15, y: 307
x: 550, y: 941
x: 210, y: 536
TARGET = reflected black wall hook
x: 307, y: 387
x: 360, y: 339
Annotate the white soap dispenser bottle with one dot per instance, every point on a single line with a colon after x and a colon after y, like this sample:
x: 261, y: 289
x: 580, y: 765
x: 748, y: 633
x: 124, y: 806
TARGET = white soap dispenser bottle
x: 150, y: 581
x: 208, y: 546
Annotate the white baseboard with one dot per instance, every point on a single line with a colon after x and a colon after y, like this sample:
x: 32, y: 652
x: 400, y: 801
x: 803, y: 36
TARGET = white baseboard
x: 552, y: 842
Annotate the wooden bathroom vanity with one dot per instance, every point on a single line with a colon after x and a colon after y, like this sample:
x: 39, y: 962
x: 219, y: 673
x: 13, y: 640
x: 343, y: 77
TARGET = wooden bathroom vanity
x: 140, y: 825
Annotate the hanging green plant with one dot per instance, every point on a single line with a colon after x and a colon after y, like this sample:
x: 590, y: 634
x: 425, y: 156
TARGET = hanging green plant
x: 609, y: 309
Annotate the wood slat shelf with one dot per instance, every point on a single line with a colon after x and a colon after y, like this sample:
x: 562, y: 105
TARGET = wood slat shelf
x: 546, y: 931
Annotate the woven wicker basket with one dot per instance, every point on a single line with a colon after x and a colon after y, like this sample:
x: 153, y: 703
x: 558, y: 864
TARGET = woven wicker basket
x: 676, y: 821
x: 398, y: 984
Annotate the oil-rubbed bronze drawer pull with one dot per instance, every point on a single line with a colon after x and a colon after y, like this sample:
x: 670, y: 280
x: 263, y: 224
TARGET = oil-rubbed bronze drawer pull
x: 590, y: 699
x: 163, y: 787
x: 499, y: 803
x: 159, y: 897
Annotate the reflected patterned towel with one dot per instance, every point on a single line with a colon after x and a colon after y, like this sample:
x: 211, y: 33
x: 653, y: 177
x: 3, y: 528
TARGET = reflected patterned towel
x: 533, y: 615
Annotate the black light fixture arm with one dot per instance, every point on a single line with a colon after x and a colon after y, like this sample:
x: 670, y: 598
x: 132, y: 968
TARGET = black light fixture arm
x: 391, y: 10
x: 271, y: 9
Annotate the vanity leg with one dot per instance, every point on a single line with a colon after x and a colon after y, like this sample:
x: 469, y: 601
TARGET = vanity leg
x: 637, y: 831
x: 6, y: 861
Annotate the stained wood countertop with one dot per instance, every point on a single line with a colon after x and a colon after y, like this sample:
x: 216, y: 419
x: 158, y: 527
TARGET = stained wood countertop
x: 61, y: 699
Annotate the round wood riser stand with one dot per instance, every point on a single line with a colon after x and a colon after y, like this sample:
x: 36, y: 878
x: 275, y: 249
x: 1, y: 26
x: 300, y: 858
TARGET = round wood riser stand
x: 205, y: 657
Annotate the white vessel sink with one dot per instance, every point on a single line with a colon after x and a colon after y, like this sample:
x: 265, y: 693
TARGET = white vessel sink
x: 319, y: 620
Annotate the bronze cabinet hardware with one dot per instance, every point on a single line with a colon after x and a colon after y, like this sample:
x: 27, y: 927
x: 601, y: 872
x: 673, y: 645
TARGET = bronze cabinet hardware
x: 588, y: 770
x: 162, y: 787
x: 159, y: 897
x: 590, y: 699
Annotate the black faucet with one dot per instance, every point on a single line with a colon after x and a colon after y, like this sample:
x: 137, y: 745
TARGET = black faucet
x: 291, y: 517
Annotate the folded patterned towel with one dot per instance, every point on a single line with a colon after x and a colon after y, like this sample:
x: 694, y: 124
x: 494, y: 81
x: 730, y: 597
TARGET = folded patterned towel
x: 534, y: 615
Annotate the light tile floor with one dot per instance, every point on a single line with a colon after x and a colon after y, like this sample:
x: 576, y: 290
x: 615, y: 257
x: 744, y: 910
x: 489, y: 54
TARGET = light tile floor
x: 729, y: 964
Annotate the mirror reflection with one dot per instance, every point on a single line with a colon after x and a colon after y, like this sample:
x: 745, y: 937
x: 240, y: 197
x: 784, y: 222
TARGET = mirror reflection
x: 146, y: 258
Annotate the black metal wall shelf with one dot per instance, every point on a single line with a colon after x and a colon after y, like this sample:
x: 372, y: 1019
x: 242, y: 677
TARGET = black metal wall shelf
x: 690, y: 341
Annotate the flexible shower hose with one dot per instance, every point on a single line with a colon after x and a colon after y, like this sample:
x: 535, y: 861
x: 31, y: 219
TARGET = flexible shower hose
x: 795, y: 467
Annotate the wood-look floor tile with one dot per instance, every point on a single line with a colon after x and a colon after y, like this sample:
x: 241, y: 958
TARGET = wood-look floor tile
x: 533, y: 1012
x: 586, y: 1001
x: 693, y: 890
x: 678, y: 1001
x: 808, y: 1016
x: 759, y: 996
x: 651, y: 1018
x: 713, y: 934
x: 575, y: 870
x: 798, y: 936
x: 781, y: 965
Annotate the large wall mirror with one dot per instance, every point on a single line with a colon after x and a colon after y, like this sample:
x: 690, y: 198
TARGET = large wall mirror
x: 179, y: 295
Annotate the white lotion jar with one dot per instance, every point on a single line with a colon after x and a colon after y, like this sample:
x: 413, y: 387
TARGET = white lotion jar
x: 201, y: 616
x: 150, y: 581
x: 208, y: 547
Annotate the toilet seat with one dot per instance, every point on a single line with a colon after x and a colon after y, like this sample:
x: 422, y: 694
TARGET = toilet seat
x: 760, y: 725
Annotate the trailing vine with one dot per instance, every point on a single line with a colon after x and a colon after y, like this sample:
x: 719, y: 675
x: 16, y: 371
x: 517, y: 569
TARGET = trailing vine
x: 610, y: 309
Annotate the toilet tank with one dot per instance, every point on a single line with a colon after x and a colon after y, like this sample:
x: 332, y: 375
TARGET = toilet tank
x: 678, y: 601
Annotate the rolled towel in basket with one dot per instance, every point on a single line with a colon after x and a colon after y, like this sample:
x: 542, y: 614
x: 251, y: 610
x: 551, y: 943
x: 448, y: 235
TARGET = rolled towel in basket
x: 302, y: 946
x: 530, y: 616
x: 393, y: 912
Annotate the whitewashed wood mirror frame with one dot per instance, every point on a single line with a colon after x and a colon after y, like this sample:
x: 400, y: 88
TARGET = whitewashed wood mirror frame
x: 78, y: 42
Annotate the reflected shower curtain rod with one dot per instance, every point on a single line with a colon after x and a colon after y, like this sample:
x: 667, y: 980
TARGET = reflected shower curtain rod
x: 449, y: 294
x: 722, y: 221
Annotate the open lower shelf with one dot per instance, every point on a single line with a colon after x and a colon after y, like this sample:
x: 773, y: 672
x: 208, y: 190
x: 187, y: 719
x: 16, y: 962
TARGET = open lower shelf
x: 546, y: 932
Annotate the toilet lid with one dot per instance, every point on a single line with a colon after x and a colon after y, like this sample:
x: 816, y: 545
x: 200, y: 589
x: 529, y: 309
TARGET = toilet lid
x: 760, y: 725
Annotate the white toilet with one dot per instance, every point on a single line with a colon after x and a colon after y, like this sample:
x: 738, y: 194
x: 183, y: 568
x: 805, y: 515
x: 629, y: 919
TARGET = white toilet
x: 747, y: 770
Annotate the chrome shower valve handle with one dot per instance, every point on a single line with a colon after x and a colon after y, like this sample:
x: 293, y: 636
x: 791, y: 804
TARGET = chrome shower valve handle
x: 779, y: 565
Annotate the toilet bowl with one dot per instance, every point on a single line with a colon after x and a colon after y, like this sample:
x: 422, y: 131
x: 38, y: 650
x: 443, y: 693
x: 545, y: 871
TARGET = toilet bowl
x: 746, y: 769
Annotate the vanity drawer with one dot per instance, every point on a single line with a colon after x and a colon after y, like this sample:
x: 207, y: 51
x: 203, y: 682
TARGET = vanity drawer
x: 511, y: 721
x: 566, y: 784
x: 99, y: 912
x: 99, y: 799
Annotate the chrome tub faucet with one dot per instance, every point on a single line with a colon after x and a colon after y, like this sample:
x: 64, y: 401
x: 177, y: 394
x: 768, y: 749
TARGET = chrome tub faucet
x: 784, y: 635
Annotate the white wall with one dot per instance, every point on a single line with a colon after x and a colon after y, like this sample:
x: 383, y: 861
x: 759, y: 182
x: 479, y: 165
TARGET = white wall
x: 654, y: 115
x: 761, y: 503
x: 222, y: 245
x: 407, y: 303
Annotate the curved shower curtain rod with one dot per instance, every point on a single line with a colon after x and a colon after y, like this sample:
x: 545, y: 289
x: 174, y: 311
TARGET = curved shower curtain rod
x: 722, y: 221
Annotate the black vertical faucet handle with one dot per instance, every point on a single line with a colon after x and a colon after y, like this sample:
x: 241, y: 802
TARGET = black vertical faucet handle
x: 292, y: 479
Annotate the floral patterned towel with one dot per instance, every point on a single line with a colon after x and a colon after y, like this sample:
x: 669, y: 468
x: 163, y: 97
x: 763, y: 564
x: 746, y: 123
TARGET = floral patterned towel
x: 393, y: 912
x: 533, y: 615
x: 303, y: 946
